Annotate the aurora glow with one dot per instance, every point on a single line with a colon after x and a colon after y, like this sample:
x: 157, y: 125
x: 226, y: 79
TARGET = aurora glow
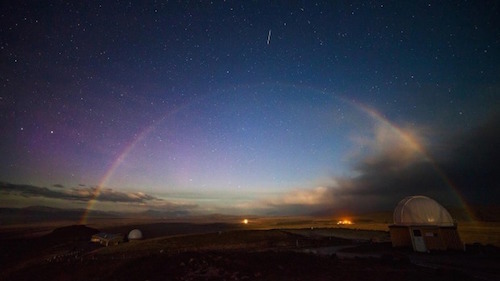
x: 194, y: 108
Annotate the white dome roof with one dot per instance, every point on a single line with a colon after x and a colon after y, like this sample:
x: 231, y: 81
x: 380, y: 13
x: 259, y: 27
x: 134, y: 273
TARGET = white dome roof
x: 135, y: 234
x: 421, y: 210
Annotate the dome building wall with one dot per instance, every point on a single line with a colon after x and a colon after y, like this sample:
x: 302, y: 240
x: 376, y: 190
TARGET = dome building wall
x: 425, y: 225
x: 135, y: 234
x: 421, y: 210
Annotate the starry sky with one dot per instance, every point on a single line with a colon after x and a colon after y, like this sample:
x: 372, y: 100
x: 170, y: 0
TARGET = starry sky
x: 258, y: 107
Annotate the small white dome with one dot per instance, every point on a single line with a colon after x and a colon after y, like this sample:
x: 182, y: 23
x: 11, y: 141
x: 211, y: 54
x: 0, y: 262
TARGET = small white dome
x: 421, y: 210
x: 135, y: 234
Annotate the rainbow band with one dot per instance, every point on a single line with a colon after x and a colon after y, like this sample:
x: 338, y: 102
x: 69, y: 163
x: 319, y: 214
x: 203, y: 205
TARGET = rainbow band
x: 409, y: 139
x: 361, y: 107
x: 119, y: 160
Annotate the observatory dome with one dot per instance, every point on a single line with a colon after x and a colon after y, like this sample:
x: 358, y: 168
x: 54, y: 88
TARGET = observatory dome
x: 421, y: 210
x: 135, y: 234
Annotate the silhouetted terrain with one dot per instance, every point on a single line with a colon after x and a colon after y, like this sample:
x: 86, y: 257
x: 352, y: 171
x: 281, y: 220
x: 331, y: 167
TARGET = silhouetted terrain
x: 225, y: 251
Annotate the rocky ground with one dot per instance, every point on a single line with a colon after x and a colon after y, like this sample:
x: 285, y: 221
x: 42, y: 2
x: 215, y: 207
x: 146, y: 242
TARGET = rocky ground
x: 67, y: 254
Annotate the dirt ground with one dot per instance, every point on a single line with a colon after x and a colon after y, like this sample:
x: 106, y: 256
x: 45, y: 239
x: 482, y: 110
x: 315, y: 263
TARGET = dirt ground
x: 229, y: 252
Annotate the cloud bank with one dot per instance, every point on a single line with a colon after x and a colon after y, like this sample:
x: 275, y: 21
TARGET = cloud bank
x: 464, y: 166
x: 76, y: 193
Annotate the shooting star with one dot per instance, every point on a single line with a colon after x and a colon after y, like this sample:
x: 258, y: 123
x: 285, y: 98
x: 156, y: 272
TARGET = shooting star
x: 269, y: 37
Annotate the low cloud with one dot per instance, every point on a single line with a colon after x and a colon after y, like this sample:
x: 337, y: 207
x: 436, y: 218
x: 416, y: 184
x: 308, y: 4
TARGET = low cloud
x: 162, y: 208
x: 316, y: 196
x: 77, y: 193
x: 110, y: 195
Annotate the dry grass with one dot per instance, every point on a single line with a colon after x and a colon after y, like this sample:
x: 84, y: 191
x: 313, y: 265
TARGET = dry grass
x: 249, y: 239
x: 480, y: 232
x: 470, y: 232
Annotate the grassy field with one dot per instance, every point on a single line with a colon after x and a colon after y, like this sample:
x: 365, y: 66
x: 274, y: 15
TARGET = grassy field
x: 470, y: 232
x: 267, y: 248
x: 279, y: 229
x: 480, y: 232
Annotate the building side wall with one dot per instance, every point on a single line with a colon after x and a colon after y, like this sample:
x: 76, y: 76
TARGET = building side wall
x: 400, y: 236
x: 436, y: 238
x: 433, y: 238
x: 451, y: 238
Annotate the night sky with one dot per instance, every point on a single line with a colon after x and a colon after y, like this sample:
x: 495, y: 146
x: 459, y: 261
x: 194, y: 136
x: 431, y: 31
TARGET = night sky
x: 248, y: 107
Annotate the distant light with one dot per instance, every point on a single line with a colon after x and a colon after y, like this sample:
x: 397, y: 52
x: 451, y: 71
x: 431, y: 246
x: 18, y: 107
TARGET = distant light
x: 245, y: 221
x: 344, y: 222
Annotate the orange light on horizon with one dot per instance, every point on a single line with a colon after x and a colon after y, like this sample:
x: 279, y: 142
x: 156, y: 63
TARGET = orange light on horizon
x: 245, y: 221
x: 344, y: 222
